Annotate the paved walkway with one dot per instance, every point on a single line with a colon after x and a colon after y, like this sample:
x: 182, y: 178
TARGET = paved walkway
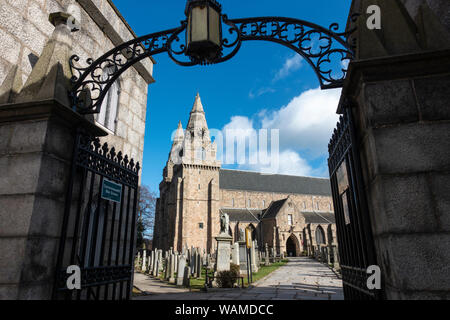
x: 300, y: 279
x: 151, y: 286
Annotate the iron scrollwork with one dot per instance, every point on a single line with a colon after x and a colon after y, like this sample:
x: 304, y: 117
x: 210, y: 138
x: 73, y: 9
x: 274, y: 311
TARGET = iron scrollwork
x: 322, y: 48
x: 90, y: 84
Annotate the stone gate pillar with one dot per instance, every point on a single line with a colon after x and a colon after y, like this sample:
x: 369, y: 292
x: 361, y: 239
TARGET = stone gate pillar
x: 37, y: 131
x: 398, y: 89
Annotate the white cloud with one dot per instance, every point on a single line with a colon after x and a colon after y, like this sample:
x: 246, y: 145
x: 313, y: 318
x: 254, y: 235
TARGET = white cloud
x: 237, y: 133
x: 305, y: 127
x: 307, y: 122
x: 292, y: 64
x: 289, y: 163
x: 239, y: 123
x: 252, y: 94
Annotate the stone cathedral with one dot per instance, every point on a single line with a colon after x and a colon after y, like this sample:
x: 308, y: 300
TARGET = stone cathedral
x: 291, y: 214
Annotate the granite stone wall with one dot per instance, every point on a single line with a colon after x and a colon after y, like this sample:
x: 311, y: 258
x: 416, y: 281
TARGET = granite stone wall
x: 24, y: 30
x: 399, y: 100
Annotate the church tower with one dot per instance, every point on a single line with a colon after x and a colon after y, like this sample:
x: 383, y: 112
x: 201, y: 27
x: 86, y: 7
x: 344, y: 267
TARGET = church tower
x: 187, y: 213
x: 200, y: 175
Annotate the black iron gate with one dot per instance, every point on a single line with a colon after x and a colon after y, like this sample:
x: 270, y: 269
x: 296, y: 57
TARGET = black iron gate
x: 99, y: 223
x: 356, y: 247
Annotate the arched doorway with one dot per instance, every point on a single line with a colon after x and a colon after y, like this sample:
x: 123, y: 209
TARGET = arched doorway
x: 292, y: 246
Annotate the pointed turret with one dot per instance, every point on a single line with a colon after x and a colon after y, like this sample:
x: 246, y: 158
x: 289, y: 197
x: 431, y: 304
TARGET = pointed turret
x: 179, y: 135
x: 197, y: 121
x: 198, y: 106
x: 197, y: 146
x: 177, y: 145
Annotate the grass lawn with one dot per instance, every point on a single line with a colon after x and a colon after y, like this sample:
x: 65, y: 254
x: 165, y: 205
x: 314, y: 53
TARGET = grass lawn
x: 198, y: 284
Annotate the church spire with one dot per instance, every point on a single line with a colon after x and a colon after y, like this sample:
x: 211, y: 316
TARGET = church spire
x: 197, y: 120
x: 198, y: 107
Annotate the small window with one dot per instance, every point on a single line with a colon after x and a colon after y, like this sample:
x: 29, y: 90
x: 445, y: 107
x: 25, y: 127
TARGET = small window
x: 290, y: 220
x: 199, y: 187
x: 249, y: 203
x: 264, y: 204
x: 201, y: 226
x: 304, y: 204
x: 232, y: 203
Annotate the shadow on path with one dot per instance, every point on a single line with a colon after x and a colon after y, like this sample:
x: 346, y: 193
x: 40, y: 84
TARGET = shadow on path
x: 300, y: 279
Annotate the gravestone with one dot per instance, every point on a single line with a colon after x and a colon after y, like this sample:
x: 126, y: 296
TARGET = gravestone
x: 160, y: 259
x: 156, y: 270
x: 187, y: 277
x: 198, y: 266
x: 223, y: 252
x: 151, y: 261
x: 266, y: 256
x: 175, y: 267
x: 172, y: 268
x: 181, y: 270
x: 167, y: 267
x: 235, y: 254
x: 192, y: 261
x: 243, y: 257
x: 254, y: 264
x: 144, y: 260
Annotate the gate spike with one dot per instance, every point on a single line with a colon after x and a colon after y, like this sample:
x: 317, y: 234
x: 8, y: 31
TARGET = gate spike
x: 97, y: 144
x: 112, y: 153
x: 105, y: 149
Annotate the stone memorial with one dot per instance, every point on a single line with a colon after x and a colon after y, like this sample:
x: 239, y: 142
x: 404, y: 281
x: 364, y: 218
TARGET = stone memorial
x: 243, y: 257
x: 235, y: 254
x: 224, y: 241
x: 187, y: 277
x: 181, y: 270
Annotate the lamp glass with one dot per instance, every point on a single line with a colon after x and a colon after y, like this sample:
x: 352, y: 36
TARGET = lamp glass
x: 214, y: 26
x: 199, y: 24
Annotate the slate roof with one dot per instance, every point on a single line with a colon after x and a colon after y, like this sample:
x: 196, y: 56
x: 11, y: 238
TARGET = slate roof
x: 310, y: 217
x: 254, y: 181
x: 274, y: 208
x: 242, y: 215
x: 322, y: 217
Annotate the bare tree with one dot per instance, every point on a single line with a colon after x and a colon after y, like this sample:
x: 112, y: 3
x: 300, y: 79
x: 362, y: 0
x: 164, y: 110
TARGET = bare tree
x: 146, y: 214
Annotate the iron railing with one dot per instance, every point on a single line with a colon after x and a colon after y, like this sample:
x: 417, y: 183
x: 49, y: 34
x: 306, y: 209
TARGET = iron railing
x: 98, y: 233
x: 355, y: 242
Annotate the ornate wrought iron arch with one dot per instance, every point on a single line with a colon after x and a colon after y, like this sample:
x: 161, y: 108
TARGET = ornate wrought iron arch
x: 319, y: 46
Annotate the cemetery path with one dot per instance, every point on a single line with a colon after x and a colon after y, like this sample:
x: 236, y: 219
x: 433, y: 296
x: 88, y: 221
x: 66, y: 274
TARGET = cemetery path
x: 151, y: 286
x: 300, y: 279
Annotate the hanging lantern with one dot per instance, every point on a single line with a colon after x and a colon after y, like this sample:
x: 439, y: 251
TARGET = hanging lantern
x: 204, y: 30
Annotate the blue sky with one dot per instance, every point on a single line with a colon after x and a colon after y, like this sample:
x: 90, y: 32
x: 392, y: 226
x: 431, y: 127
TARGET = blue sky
x: 265, y: 85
